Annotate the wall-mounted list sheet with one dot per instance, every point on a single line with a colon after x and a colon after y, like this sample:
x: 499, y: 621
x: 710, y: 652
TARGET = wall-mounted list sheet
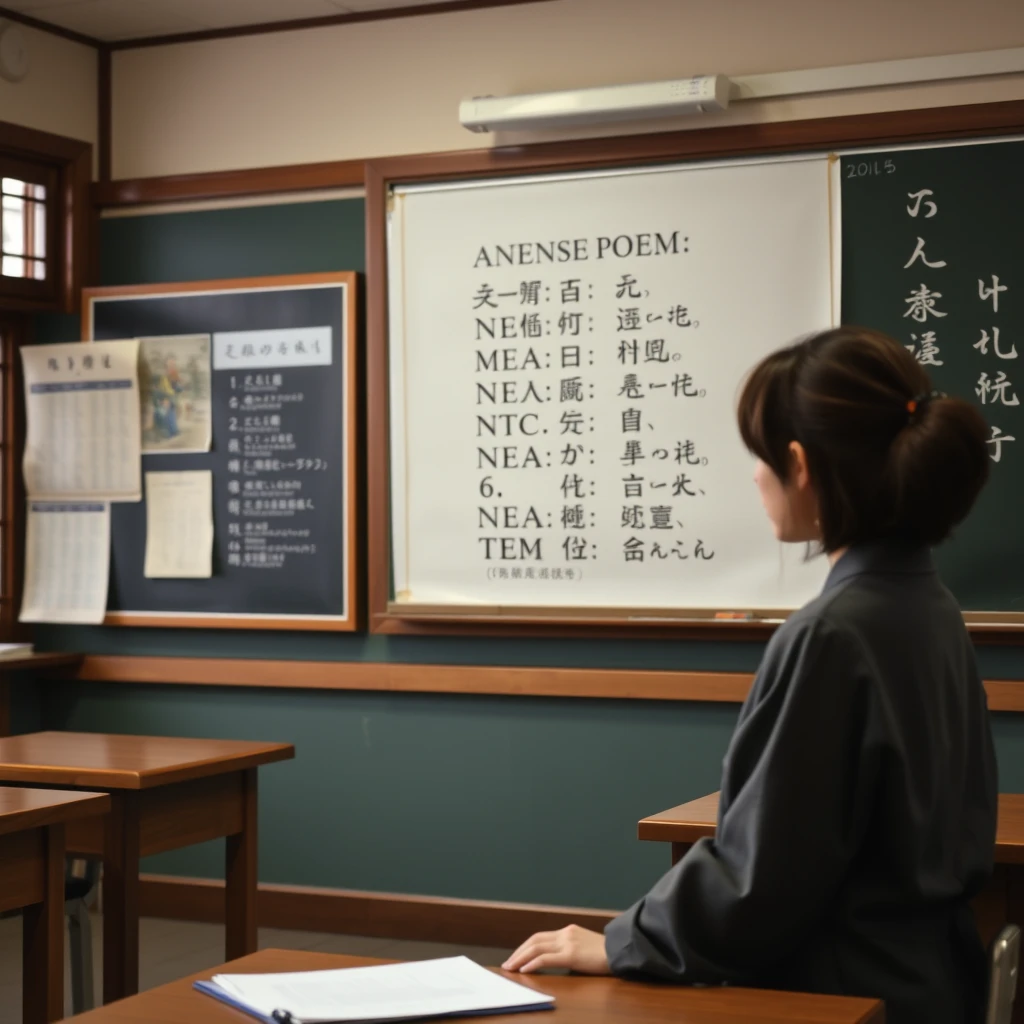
x: 67, y: 555
x: 179, y: 525
x: 84, y: 436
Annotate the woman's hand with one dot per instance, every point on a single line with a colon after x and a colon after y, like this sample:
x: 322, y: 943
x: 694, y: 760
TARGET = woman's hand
x: 573, y: 947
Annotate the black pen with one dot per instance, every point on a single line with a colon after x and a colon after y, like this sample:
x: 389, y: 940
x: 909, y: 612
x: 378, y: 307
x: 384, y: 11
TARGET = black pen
x: 283, y: 1017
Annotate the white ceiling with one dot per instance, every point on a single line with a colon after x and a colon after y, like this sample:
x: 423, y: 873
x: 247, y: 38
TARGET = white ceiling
x: 111, y: 20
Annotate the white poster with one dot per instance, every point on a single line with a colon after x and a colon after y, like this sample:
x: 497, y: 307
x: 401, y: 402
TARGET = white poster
x: 566, y: 355
x: 179, y: 525
x: 82, y: 408
x: 67, y: 562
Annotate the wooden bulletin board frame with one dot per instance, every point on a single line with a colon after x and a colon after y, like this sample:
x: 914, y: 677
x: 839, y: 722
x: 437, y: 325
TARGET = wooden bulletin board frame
x: 351, y: 620
x: 753, y: 140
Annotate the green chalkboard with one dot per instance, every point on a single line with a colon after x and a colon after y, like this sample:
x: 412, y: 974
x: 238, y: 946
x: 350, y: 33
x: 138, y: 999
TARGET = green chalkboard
x: 927, y: 234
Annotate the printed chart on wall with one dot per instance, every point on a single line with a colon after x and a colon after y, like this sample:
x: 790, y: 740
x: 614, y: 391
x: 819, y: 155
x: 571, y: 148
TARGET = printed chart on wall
x: 932, y: 255
x: 565, y: 354
x: 247, y: 398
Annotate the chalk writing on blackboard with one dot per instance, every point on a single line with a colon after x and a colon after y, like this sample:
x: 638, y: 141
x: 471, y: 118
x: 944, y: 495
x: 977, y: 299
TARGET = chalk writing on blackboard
x: 270, y: 512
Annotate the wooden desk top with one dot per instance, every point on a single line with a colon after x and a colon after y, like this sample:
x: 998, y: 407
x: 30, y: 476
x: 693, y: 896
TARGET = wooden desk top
x: 107, y: 761
x: 21, y: 809
x: 694, y: 820
x: 578, y: 1000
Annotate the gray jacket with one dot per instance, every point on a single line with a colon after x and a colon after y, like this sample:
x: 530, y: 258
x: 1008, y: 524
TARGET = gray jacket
x: 857, y: 814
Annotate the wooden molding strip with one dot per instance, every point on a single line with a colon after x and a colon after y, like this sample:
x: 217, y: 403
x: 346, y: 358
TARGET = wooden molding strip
x: 730, y: 687
x: 45, y: 26
x: 104, y: 112
x: 1005, y: 694
x: 35, y: 143
x: 228, y: 184
x: 352, y: 912
x: 495, y: 680
x: 440, y: 7
x: 352, y: 17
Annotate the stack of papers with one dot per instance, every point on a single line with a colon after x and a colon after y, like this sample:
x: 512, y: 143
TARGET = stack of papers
x: 455, y: 986
x: 15, y: 650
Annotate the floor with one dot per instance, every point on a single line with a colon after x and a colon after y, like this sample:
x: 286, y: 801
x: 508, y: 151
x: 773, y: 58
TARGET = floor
x: 173, y: 949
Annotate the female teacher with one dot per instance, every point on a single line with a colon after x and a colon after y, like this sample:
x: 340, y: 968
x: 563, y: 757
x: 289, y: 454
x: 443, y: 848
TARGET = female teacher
x: 858, y: 806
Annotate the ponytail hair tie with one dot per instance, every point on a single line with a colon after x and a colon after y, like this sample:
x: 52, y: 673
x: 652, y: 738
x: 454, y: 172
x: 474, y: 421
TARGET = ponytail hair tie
x: 918, y: 402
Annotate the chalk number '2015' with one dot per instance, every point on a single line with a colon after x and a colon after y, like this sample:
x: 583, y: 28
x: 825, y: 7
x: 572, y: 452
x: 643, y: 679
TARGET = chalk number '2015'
x: 866, y: 169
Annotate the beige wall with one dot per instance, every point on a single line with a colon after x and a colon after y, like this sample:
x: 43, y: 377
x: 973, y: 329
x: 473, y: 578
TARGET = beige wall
x: 390, y: 87
x: 59, y: 93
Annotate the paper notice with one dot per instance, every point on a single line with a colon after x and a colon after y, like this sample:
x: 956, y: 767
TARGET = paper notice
x: 67, y: 562
x: 179, y: 525
x: 82, y: 404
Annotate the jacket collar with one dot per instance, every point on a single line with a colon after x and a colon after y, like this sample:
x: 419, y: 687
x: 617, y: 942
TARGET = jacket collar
x: 883, y: 557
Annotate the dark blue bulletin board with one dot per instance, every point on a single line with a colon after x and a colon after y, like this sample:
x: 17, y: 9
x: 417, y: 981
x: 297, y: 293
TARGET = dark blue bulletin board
x: 282, y: 455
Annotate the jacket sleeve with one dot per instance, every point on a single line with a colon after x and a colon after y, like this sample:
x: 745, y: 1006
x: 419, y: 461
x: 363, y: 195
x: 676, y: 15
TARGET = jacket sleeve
x: 793, y: 811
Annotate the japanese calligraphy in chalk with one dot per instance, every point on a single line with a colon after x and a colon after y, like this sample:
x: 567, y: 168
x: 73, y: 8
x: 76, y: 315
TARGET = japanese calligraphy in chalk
x: 564, y: 370
x: 271, y: 512
x: 993, y: 385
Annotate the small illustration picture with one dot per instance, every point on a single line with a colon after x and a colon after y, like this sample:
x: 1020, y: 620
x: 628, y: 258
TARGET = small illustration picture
x: 174, y: 386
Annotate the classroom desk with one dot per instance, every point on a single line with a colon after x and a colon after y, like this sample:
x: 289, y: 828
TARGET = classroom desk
x: 32, y: 830
x: 579, y: 1000
x: 999, y: 903
x: 164, y: 793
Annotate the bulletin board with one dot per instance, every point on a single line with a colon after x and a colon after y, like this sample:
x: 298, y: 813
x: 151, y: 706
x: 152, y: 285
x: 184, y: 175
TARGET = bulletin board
x: 281, y: 399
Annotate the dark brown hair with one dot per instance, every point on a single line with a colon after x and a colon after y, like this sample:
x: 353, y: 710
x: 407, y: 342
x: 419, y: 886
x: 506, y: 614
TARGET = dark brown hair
x: 880, y: 466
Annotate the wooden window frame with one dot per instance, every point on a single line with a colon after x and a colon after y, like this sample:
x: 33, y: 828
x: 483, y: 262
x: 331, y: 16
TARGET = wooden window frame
x: 35, y: 172
x: 65, y: 165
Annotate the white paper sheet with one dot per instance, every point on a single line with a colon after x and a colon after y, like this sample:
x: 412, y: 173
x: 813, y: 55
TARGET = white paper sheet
x: 387, y: 992
x: 67, y: 562
x: 82, y: 404
x: 174, y: 390
x: 179, y: 525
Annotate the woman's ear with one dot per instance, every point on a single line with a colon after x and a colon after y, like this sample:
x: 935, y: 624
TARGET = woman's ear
x: 799, y: 473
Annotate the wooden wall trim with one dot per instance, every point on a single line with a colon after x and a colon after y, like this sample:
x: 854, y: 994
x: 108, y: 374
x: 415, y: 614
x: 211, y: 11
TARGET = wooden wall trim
x: 493, y: 680
x: 353, y: 912
x: 177, y: 188
x: 1005, y: 694
x: 44, y: 26
x: 104, y: 113
x: 730, y: 687
x: 352, y: 17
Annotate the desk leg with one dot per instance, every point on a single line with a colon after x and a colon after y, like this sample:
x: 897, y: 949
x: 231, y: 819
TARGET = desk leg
x: 42, y: 962
x: 241, y: 877
x: 679, y: 851
x: 5, y: 705
x: 121, y: 898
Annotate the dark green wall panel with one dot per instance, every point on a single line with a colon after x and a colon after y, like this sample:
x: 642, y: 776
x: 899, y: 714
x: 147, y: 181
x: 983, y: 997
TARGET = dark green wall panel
x: 296, y: 238
x: 479, y: 797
